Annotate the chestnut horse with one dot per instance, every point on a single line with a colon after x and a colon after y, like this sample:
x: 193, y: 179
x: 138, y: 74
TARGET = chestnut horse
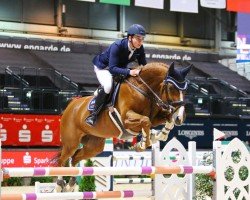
x: 153, y: 98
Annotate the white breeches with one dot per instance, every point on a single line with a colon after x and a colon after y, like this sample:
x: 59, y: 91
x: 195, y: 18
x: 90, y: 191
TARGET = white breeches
x: 105, y: 79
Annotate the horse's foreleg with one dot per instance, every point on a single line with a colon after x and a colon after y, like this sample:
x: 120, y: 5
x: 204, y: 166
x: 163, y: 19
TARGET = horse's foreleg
x: 135, y: 120
x: 162, y: 135
x: 168, y: 121
x: 92, y: 146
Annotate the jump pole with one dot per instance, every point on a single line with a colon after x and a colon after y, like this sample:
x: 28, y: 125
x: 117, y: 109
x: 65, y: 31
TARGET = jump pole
x: 77, y: 195
x: 93, y: 171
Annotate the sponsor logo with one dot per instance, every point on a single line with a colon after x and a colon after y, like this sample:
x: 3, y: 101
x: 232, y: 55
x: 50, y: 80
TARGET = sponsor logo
x: 248, y: 133
x: 39, y: 161
x: 29, y: 130
x: 230, y: 133
x: 27, y: 158
x: 191, y: 133
x: 35, y: 47
x: 8, y: 161
x: 169, y: 56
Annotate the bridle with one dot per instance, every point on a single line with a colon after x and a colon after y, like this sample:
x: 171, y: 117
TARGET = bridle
x: 170, y: 106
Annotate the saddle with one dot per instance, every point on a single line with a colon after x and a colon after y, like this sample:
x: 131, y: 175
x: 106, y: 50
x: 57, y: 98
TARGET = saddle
x: 125, y: 134
x: 111, y: 98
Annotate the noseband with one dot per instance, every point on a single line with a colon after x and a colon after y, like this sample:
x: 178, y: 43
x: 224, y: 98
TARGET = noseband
x: 171, y: 106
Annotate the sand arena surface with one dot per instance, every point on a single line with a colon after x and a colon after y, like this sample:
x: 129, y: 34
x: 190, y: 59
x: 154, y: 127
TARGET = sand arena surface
x: 31, y: 189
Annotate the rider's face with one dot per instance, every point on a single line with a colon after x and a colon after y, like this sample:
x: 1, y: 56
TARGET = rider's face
x: 137, y: 41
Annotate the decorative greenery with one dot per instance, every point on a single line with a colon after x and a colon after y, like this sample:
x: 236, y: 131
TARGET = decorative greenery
x: 204, y: 186
x: 13, y: 181
x: 87, y: 183
x: 45, y: 179
x: 204, y: 183
x: 243, y: 173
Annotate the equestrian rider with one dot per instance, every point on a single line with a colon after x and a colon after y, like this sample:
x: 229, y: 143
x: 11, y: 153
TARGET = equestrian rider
x: 113, y: 62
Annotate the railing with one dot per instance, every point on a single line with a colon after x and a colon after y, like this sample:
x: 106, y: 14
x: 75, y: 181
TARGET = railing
x: 36, y: 90
x: 25, y: 91
x: 213, y: 86
x: 63, y: 82
x: 202, y: 105
x: 31, y: 100
x: 38, y: 78
x: 12, y: 79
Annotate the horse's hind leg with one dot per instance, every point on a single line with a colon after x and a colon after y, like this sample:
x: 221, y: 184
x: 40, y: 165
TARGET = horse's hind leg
x: 66, y: 153
x: 92, y: 146
x: 69, y: 147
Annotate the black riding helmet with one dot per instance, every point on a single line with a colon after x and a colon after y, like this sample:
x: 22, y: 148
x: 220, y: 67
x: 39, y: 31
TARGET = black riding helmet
x: 136, y: 29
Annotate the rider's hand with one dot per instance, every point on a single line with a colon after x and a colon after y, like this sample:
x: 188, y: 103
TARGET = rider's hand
x: 134, y: 72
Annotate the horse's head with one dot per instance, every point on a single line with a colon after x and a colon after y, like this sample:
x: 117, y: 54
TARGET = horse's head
x: 165, y: 86
x: 175, y: 85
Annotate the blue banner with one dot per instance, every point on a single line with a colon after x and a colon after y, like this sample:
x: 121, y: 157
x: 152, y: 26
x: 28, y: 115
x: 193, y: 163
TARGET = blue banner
x: 200, y: 130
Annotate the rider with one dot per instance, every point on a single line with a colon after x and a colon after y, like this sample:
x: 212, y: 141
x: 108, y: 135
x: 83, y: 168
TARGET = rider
x: 113, y: 62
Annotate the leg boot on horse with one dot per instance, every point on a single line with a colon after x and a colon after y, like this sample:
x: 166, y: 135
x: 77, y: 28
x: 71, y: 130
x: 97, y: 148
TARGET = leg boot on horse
x: 99, y: 103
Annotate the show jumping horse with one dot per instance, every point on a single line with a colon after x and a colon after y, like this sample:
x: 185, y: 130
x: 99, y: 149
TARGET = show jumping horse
x: 153, y: 98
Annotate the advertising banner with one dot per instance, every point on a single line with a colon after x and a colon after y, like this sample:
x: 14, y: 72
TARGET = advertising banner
x: 159, y: 4
x: 238, y: 5
x: 117, y: 2
x: 158, y: 55
x: 219, y: 4
x: 200, y: 130
x: 28, y: 158
x: 190, y: 6
x: 243, y: 38
x: 29, y: 130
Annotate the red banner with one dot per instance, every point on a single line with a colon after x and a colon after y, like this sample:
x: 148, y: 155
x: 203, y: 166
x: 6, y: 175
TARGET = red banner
x: 28, y: 158
x: 238, y: 5
x: 29, y: 130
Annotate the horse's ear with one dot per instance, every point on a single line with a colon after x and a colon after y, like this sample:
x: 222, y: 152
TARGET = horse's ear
x: 185, y: 71
x: 171, y: 69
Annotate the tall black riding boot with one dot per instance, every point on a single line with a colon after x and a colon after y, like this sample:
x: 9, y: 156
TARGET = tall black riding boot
x: 99, y: 102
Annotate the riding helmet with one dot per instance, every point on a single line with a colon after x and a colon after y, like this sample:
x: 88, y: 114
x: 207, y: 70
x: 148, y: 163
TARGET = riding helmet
x: 136, y: 29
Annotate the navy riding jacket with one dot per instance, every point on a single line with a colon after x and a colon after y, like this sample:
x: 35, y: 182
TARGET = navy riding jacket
x: 116, y: 58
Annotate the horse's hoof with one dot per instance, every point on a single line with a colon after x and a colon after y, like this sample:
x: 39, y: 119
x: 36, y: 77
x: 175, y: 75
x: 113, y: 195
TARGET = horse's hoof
x: 153, y: 136
x: 149, y: 143
x: 161, y: 137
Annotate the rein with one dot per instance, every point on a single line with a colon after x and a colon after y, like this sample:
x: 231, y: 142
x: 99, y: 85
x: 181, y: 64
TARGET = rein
x: 155, y: 98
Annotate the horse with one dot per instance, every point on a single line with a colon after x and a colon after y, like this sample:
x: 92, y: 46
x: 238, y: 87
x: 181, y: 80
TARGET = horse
x: 153, y: 98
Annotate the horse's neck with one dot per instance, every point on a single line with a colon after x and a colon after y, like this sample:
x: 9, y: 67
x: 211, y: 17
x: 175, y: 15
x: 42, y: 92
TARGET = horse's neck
x: 153, y: 80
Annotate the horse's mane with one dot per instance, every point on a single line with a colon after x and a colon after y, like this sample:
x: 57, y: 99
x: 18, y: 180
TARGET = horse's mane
x: 155, y: 68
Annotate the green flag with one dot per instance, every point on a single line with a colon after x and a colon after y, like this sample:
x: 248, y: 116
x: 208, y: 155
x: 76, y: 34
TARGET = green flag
x: 118, y: 2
